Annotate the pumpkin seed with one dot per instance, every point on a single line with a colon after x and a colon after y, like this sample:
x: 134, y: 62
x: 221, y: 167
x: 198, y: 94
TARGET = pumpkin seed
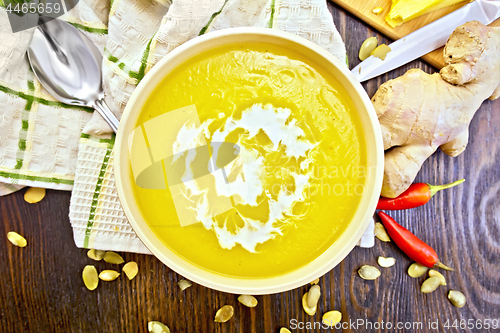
x: 416, y: 270
x: 307, y: 309
x: 430, y: 285
x: 368, y: 272
x: 367, y: 47
x: 108, y: 275
x: 381, y: 51
x: 381, y: 233
x: 224, y: 314
x: 248, y: 300
x: 90, y: 278
x: 16, y: 239
x: 313, y: 296
x: 439, y: 275
x: 34, y: 195
x: 377, y: 10
x: 314, y: 282
x: 96, y: 255
x: 184, y: 284
x: 386, y: 262
x: 284, y: 330
x: 113, y: 258
x: 456, y: 298
x: 157, y: 327
x: 331, y: 318
x: 130, y: 269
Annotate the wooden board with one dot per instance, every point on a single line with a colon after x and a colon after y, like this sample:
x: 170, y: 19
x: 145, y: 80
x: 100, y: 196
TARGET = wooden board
x: 363, y: 10
x: 41, y: 288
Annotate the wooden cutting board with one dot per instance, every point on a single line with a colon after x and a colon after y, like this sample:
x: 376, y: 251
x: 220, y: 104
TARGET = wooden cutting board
x: 363, y: 10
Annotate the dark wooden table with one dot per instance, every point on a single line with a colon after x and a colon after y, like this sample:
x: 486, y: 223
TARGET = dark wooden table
x: 41, y: 289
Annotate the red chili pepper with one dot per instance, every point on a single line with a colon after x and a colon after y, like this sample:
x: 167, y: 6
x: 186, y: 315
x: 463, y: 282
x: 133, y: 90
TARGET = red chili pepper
x: 410, y: 244
x: 417, y: 194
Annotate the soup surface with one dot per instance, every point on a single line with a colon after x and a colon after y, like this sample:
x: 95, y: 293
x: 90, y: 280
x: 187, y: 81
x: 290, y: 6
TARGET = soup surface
x: 297, y: 173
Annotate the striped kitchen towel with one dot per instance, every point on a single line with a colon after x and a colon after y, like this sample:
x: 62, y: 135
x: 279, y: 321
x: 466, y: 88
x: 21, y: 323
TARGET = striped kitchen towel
x: 45, y: 143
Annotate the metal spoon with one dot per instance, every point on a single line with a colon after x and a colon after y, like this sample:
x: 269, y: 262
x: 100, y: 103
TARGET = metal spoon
x: 68, y: 65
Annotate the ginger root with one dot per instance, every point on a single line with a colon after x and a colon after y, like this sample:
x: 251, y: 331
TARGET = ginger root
x: 419, y: 112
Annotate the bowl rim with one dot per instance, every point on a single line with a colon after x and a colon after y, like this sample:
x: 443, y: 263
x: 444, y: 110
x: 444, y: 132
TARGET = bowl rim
x: 231, y: 284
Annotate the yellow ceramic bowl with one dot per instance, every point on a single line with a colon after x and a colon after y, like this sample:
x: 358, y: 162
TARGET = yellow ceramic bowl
x: 340, y: 248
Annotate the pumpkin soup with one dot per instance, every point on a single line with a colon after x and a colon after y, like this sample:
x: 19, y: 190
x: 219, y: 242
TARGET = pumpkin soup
x: 296, y: 173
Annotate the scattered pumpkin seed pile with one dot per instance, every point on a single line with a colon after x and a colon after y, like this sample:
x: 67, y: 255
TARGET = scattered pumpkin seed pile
x: 309, y: 300
x: 381, y: 233
x: 90, y: 276
x: 184, y: 284
x: 367, y: 47
x: 224, y: 314
x: 96, y: 254
x: 456, y: 298
x: 430, y: 285
x: 313, y: 296
x: 157, y: 327
x: 108, y: 275
x: 16, y: 239
x: 113, y: 258
x: 368, y: 272
x: 34, y: 195
x: 130, y: 269
x: 415, y: 270
x: 386, y: 262
x: 310, y: 305
x: 331, y: 318
x: 248, y: 301
x: 442, y: 280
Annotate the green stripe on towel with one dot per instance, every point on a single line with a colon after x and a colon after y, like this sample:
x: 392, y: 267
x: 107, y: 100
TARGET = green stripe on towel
x: 214, y: 15
x: 43, y: 101
x: 88, y: 136
x: 97, y: 192
x: 23, y: 132
x: 18, y: 176
x: 271, y: 20
x: 111, y: 57
x: 123, y: 67
x: 90, y: 29
x: 144, y: 60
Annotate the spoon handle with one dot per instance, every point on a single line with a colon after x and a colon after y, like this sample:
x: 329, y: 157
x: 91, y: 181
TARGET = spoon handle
x: 106, y: 113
